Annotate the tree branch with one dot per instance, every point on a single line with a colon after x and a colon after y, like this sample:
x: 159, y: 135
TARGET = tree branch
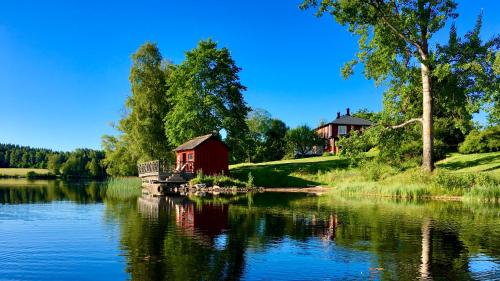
x: 406, y: 123
x: 394, y: 29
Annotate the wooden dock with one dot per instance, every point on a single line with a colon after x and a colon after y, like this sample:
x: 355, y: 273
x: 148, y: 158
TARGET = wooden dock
x: 159, y: 176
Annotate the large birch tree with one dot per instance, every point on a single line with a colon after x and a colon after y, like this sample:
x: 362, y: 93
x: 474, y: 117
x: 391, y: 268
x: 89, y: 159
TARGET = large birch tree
x: 394, y: 36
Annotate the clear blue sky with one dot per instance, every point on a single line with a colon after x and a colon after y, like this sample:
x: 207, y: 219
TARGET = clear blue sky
x: 64, y: 65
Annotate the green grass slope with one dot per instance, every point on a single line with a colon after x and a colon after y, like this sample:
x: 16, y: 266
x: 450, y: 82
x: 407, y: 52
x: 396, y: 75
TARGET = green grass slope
x: 454, y: 176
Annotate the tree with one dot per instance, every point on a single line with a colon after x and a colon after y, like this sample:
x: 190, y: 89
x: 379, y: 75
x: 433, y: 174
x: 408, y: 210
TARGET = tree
x: 302, y: 139
x: 275, y: 144
x: 55, y: 161
x: 259, y: 123
x: 266, y: 137
x: 394, y: 36
x: 206, y: 94
x: 368, y: 115
x: 148, y: 105
x: 119, y: 160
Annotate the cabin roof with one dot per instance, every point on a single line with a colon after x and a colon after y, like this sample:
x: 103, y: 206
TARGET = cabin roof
x: 192, y: 144
x: 351, y: 120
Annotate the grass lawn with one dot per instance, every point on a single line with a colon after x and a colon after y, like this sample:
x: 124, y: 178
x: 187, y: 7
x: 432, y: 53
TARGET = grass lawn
x: 288, y: 173
x: 21, y: 172
x: 481, y: 162
x: 453, y: 176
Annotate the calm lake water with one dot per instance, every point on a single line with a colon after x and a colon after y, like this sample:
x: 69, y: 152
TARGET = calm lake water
x: 82, y: 231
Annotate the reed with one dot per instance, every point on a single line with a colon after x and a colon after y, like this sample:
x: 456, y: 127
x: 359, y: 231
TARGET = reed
x: 123, y: 188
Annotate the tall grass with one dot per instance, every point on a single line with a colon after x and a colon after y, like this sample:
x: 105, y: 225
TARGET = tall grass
x: 467, y: 176
x: 123, y: 188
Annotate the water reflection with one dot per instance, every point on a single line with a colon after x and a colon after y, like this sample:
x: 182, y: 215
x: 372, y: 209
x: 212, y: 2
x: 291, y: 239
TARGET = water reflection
x: 282, y: 236
x: 22, y: 191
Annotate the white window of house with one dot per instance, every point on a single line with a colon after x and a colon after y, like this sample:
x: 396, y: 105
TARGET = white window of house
x: 190, y: 156
x: 342, y: 130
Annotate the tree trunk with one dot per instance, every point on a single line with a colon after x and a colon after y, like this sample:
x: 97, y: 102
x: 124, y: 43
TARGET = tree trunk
x: 427, y: 122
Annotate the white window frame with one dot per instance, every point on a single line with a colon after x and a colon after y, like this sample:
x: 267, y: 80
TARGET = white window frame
x: 342, y: 130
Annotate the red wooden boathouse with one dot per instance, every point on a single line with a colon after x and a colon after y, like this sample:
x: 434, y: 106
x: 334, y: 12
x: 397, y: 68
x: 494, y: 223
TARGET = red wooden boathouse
x: 205, y: 153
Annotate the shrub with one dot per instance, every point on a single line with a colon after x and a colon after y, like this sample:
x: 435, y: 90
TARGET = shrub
x: 31, y: 175
x: 219, y: 180
x: 481, y: 141
x: 463, y: 181
x: 250, y: 180
x: 375, y: 171
x: 356, y: 144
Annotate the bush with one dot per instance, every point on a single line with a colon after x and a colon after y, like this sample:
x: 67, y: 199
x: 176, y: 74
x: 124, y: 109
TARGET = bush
x: 31, y: 175
x: 356, y: 144
x: 479, y: 142
x: 220, y: 180
x: 250, y: 180
x: 463, y: 181
x: 375, y: 171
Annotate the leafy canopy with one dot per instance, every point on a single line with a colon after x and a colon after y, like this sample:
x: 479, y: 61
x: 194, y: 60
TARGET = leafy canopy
x: 206, y: 94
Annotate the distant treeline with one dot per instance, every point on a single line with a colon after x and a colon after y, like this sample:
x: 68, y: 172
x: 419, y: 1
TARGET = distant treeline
x: 80, y: 163
x: 15, y: 156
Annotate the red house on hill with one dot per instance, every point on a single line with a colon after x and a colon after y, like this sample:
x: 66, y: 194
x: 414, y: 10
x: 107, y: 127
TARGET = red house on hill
x: 341, y: 126
x: 205, y: 153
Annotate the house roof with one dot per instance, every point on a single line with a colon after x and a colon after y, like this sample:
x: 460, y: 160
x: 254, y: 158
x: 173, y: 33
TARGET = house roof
x: 351, y: 120
x: 191, y: 144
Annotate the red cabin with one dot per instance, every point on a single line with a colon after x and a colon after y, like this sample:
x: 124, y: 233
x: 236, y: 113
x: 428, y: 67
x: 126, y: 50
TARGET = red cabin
x: 206, y: 153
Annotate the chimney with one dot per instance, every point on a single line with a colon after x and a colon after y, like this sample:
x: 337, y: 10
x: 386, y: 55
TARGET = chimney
x: 348, y: 111
x: 338, y: 115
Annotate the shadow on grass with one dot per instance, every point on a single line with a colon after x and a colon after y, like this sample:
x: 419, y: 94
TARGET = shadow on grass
x: 471, y: 163
x: 280, y: 175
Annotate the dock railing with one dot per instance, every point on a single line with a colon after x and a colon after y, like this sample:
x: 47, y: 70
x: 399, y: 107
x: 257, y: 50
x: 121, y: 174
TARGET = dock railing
x: 154, y: 168
x: 160, y: 169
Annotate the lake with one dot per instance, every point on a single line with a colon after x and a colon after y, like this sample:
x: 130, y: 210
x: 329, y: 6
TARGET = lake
x: 54, y: 230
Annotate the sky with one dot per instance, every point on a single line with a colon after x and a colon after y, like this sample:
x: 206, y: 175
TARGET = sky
x: 64, y: 65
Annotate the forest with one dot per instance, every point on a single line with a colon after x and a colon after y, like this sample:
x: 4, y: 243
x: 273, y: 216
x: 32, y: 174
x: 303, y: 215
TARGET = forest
x: 80, y: 163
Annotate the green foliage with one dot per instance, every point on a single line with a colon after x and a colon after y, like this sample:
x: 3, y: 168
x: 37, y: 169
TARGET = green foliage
x: 84, y: 163
x: 275, y: 141
x: 15, y: 156
x: 394, y: 46
x: 31, y: 175
x: 119, y: 160
x: 206, y: 96
x: 266, y: 137
x: 464, y: 181
x: 219, y: 180
x: 55, y: 162
x: 356, y: 144
x: 375, y: 171
x: 250, y: 179
x: 301, y: 140
x: 487, y: 140
x: 79, y: 163
x: 143, y: 126
x: 368, y: 115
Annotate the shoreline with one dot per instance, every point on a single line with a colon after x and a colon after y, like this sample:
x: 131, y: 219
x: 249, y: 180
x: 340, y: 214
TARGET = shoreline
x: 321, y: 190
